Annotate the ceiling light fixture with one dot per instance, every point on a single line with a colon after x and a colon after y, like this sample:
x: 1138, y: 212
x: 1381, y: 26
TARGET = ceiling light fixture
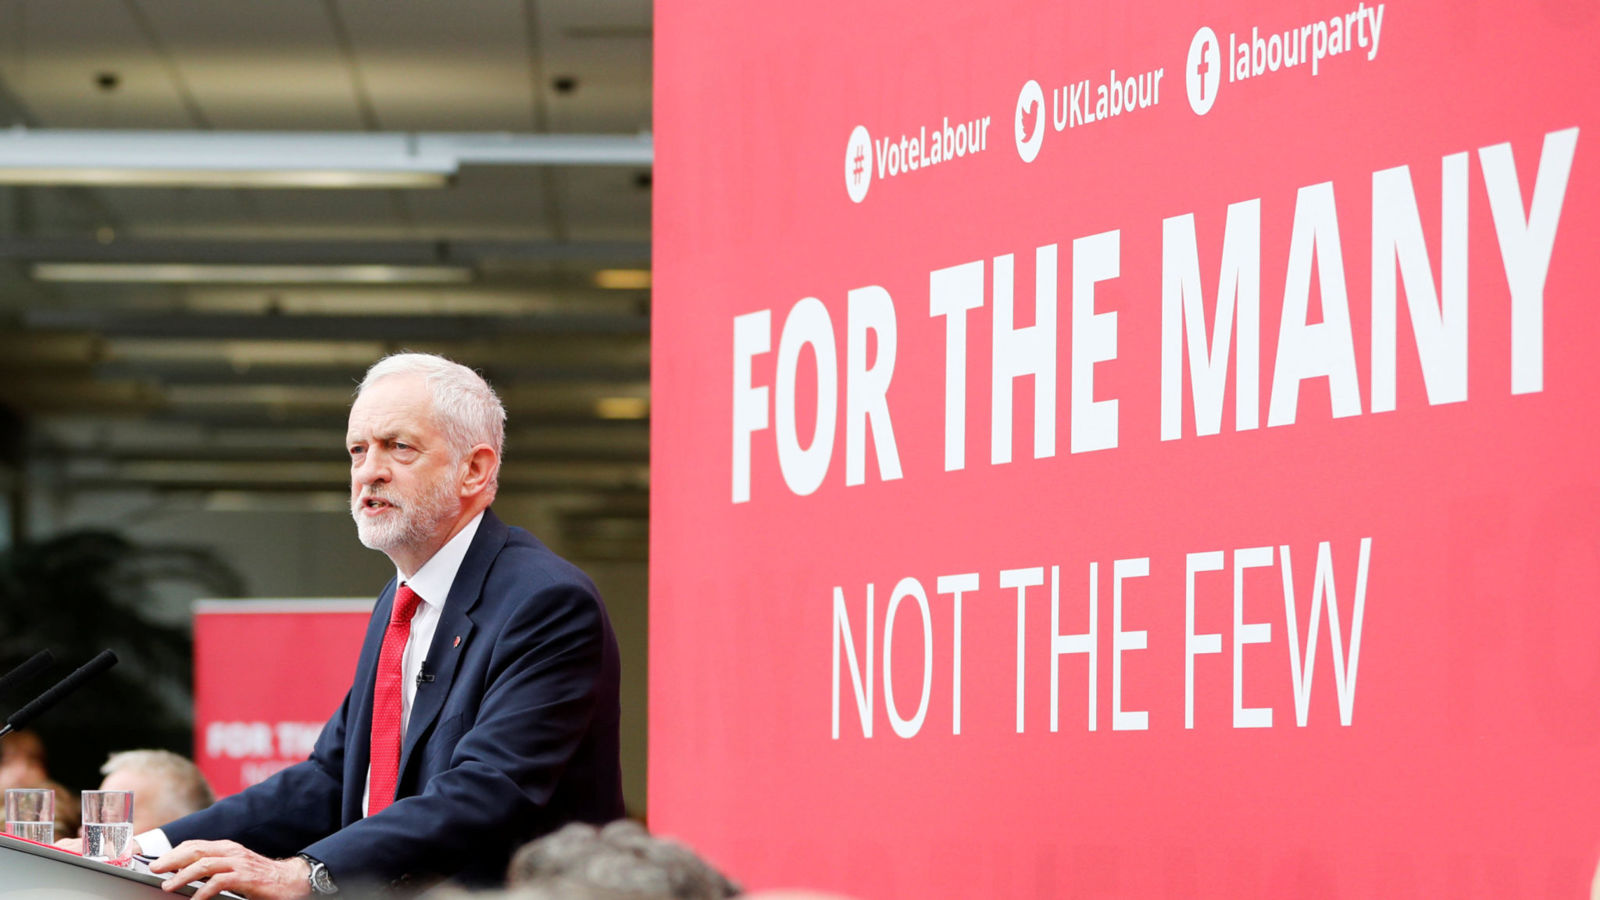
x: 623, y: 279
x: 227, y: 273
x: 622, y: 407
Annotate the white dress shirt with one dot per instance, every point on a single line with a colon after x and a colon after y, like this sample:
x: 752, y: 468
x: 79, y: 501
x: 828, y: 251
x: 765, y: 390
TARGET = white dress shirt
x: 432, y: 586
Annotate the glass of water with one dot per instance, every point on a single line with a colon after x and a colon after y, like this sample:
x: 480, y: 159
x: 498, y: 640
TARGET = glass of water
x: 108, y: 827
x: 31, y: 814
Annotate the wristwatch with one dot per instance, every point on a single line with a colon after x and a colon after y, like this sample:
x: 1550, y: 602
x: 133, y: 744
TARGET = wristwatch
x: 321, y: 881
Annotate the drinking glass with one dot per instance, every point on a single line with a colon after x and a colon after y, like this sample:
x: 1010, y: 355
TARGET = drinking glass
x: 31, y: 814
x: 108, y: 827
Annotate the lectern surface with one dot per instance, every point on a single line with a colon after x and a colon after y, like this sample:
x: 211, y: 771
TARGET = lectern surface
x: 34, y: 872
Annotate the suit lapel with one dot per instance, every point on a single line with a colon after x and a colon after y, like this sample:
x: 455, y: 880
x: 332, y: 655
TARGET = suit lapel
x: 454, y: 632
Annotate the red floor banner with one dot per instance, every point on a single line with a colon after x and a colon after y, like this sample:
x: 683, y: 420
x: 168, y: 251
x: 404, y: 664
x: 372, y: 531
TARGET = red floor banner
x: 1128, y: 450
x: 267, y: 675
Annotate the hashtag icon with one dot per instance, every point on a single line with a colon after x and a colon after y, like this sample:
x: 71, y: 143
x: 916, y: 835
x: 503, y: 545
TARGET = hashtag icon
x: 858, y: 164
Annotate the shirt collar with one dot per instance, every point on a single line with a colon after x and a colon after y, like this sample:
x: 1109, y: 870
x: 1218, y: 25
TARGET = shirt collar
x: 432, y: 582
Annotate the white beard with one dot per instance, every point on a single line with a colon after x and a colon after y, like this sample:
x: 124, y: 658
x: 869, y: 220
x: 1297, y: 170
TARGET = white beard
x: 414, y: 522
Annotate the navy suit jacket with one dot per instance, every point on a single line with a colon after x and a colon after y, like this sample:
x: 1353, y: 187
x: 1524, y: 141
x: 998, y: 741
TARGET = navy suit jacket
x: 515, y: 735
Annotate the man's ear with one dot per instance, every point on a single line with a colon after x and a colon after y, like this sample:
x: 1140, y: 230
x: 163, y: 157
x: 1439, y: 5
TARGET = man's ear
x: 480, y: 466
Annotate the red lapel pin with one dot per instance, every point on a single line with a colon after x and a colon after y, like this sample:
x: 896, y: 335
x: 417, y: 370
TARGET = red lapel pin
x: 458, y: 640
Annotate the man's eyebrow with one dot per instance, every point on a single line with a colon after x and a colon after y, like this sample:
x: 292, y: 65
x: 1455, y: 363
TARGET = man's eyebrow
x: 385, y: 438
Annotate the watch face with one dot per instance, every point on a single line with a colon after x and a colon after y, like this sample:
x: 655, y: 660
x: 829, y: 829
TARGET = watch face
x: 321, y: 881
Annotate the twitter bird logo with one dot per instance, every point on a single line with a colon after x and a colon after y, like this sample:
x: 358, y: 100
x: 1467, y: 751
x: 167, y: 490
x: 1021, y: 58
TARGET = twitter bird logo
x: 1027, y: 118
x: 1030, y: 121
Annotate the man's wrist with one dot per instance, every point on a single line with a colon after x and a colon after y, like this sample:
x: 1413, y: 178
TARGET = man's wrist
x: 316, y: 875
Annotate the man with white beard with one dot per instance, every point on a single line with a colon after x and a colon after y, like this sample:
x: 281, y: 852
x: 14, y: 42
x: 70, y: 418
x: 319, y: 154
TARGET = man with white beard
x: 484, y: 709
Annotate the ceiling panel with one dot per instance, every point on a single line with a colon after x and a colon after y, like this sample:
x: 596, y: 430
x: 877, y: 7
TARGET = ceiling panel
x: 606, y: 47
x: 93, y: 297
x: 59, y: 211
x: 282, y: 212
x: 485, y: 202
x: 208, y: 214
x: 173, y: 212
x: 605, y: 203
x: 487, y: 86
x: 51, y: 52
x: 256, y: 66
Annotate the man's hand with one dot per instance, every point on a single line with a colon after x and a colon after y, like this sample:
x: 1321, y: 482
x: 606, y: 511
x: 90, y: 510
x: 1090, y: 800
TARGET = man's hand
x: 226, y: 866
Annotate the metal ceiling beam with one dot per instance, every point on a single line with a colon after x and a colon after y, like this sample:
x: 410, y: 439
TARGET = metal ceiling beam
x: 332, y: 453
x: 74, y: 434
x: 323, y: 252
x: 81, y: 394
x: 579, y: 475
x: 508, y: 352
x: 597, y: 370
x: 293, y: 159
x: 323, y: 328
x: 245, y: 416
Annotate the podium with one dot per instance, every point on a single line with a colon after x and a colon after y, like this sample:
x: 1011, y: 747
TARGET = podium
x: 30, y: 871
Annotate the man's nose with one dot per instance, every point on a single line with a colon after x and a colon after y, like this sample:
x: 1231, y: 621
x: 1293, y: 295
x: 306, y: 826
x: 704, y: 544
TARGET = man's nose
x: 371, y: 469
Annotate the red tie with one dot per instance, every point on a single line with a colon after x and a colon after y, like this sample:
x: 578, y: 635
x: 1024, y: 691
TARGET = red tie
x: 386, y: 699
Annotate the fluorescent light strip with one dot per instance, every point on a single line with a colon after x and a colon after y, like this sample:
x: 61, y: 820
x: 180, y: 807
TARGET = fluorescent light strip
x: 195, y: 273
x: 221, y: 178
x: 242, y: 159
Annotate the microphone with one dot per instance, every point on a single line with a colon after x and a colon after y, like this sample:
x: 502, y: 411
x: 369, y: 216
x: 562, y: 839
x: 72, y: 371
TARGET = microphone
x: 62, y: 688
x: 35, y: 664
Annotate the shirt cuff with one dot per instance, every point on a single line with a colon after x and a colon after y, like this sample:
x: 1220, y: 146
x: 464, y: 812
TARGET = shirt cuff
x: 153, y: 842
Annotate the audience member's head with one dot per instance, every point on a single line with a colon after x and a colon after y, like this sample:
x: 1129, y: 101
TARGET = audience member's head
x: 22, y: 762
x: 618, y: 862
x: 165, y: 786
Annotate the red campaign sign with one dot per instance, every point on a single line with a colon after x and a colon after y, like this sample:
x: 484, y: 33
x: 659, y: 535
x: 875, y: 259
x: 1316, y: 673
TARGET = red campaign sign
x: 1125, y: 451
x: 267, y: 675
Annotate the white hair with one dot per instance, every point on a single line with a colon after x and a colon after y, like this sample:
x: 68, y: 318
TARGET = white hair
x: 465, y: 407
x: 187, y: 789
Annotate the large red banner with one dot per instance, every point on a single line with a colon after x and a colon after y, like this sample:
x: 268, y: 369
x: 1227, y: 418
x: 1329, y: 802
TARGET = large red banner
x: 1128, y: 449
x: 267, y: 675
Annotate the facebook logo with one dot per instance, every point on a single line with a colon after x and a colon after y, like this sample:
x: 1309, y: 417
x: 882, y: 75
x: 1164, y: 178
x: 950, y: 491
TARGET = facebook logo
x: 1202, y: 75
